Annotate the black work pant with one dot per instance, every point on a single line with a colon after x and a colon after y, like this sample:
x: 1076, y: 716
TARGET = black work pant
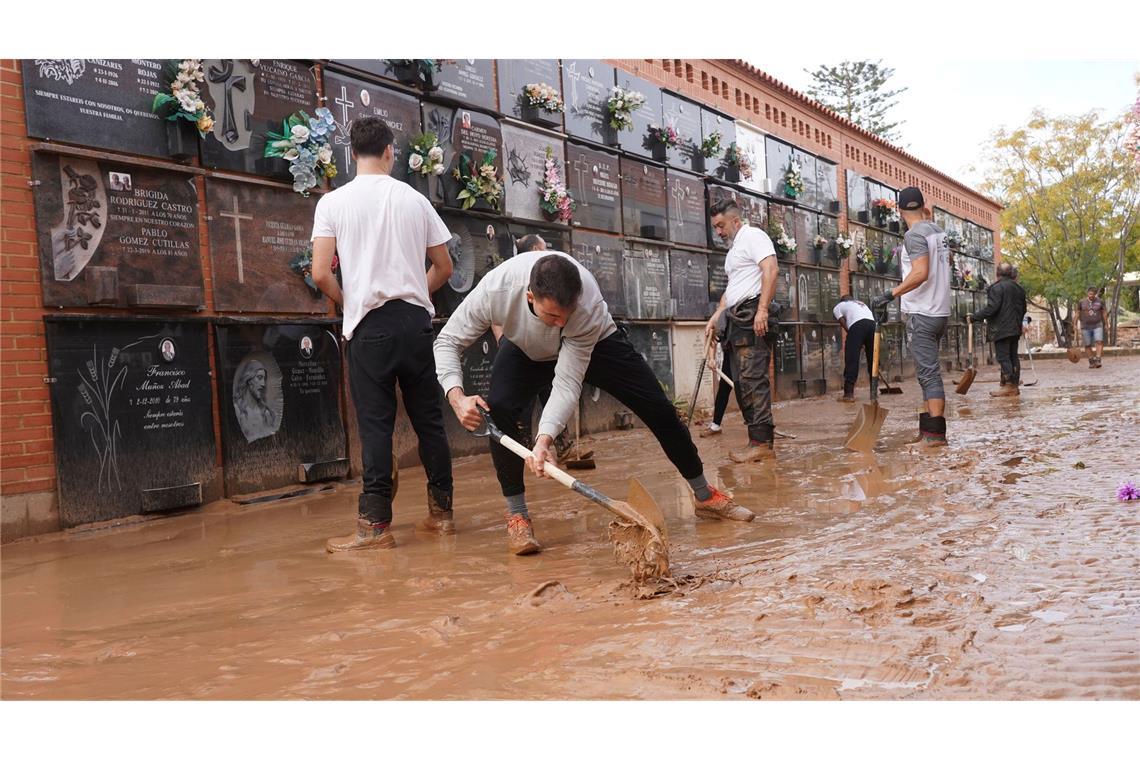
x: 860, y: 335
x: 1005, y: 349
x: 616, y: 368
x: 394, y: 343
x: 723, y: 389
x: 754, y: 385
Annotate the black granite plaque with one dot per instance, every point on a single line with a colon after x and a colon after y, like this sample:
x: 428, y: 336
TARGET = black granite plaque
x: 279, y: 397
x: 829, y: 292
x: 644, y: 200
x: 556, y: 238
x: 685, y: 117
x: 785, y: 216
x: 725, y: 126
x: 517, y: 73
x: 807, y: 288
x: 524, y: 157
x: 470, y: 81
x: 778, y: 156
x: 439, y: 120
x: 753, y: 207
x: 718, y: 279
x: 132, y: 413
x: 891, y: 253
x: 860, y: 288
x: 114, y: 234
x: 586, y: 88
x: 349, y: 98
x: 595, y: 184
x: 476, y: 246
x: 810, y: 195
x: 645, y: 274
x: 833, y: 356
x: 648, y: 115
x: 688, y: 220
x: 377, y: 67
x: 256, y: 232
x: 472, y: 133
x: 476, y: 362
x: 787, y: 363
x: 602, y: 255
x: 689, y: 284
x: 805, y: 231
x: 858, y: 204
x: 751, y: 142
x: 786, y: 293
x: 97, y: 102
x: 250, y: 98
x: 654, y: 343
x: 830, y: 256
x: 827, y: 186
x: 811, y: 359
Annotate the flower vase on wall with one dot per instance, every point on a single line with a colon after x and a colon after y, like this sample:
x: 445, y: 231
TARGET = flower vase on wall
x: 181, y: 140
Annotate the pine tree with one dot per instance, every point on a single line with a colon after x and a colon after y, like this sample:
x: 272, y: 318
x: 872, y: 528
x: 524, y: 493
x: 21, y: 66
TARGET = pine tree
x: 858, y: 91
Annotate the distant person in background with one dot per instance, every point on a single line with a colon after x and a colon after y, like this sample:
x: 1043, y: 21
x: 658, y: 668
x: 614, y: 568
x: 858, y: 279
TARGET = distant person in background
x: 858, y: 322
x: 924, y: 294
x: 1004, y: 313
x: 1094, y: 316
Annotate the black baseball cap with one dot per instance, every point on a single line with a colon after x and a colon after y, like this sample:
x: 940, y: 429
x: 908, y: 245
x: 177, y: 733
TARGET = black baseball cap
x: 911, y: 198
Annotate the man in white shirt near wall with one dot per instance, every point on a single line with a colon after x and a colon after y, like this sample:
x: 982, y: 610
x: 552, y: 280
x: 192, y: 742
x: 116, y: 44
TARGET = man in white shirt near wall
x: 752, y: 270
x: 381, y: 229
x: 858, y: 323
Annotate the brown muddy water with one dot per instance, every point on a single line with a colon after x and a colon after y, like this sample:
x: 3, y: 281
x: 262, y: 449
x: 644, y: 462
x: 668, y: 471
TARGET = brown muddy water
x: 1001, y: 567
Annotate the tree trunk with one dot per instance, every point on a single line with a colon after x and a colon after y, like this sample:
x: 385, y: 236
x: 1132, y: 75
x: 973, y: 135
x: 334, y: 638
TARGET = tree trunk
x: 1115, y: 302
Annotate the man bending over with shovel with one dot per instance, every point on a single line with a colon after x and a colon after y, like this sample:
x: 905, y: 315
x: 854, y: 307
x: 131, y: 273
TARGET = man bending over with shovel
x: 557, y: 327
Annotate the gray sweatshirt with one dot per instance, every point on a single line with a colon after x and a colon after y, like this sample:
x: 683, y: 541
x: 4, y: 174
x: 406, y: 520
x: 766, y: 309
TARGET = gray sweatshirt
x: 500, y: 298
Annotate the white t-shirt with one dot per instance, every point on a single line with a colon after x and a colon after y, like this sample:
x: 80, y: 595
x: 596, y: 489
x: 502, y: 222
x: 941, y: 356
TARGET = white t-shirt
x: 742, y: 264
x: 931, y: 298
x: 383, y: 229
x: 852, y: 311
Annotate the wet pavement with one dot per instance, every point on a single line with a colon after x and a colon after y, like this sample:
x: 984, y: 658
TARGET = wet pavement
x: 1000, y: 567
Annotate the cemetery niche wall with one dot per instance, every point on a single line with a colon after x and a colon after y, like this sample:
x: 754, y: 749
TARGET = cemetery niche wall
x: 586, y: 88
x: 602, y: 255
x: 515, y: 74
x: 594, y: 181
x: 477, y: 245
x: 646, y: 276
x: 349, y: 98
x: 644, y: 201
x: 524, y: 158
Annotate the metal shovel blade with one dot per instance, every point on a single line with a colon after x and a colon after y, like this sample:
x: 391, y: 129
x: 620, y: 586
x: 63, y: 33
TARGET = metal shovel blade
x: 966, y: 381
x: 645, y: 505
x: 864, y: 431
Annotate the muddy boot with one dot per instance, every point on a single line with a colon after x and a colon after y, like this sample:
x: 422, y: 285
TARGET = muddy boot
x: 520, y: 536
x: 721, y: 506
x: 440, y: 518
x: 848, y: 395
x: 1092, y: 362
x: 931, y: 430
x: 1098, y: 362
x: 1006, y: 389
x: 368, y: 535
x: 711, y: 430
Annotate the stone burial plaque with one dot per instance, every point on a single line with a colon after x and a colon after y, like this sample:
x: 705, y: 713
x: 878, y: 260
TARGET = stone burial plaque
x: 114, y: 234
x: 778, y: 156
x: 249, y: 98
x: 349, y: 98
x: 688, y: 218
x: 811, y: 360
x: 594, y: 181
x: 829, y: 292
x: 833, y: 356
x: 96, y: 102
x: 685, y: 117
x: 810, y: 195
x: 377, y: 67
x: 786, y: 293
x: 279, y: 398
x: 440, y: 120
x: 602, y: 255
x: 780, y: 214
x: 524, y: 158
x: 787, y: 362
x: 654, y: 343
x: 476, y: 247
x: 586, y: 88
x: 827, y: 186
x: 645, y: 271
x: 255, y: 232
x: 470, y: 81
x: 634, y: 141
x: 689, y: 285
x: 517, y: 73
x: 858, y: 204
x: 829, y: 228
x: 472, y: 133
x: 718, y: 279
x: 476, y: 362
x: 807, y: 287
x: 644, y: 200
x: 751, y: 142
x: 132, y: 414
x: 711, y: 122
x: 805, y: 232
x: 753, y: 207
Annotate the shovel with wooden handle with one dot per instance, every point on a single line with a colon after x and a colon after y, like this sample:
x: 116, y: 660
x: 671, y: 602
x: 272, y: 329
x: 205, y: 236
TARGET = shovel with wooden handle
x: 970, y: 373
x: 864, y: 431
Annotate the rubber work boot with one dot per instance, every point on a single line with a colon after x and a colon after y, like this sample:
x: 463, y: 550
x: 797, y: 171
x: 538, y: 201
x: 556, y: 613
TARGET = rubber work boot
x: 1006, y: 389
x: 755, y: 451
x: 520, y: 536
x: 721, y: 506
x: 368, y: 535
x: 931, y: 430
x: 440, y: 518
x: 710, y: 431
x: 848, y: 395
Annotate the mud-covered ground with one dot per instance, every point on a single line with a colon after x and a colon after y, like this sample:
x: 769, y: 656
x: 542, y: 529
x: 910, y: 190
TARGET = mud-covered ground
x: 1001, y: 567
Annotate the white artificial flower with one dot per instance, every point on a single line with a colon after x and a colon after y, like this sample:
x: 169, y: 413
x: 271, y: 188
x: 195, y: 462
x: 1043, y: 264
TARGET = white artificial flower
x: 436, y: 153
x: 415, y: 161
x: 299, y: 133
x: 439, y: 170
x: 291, y: 154
x: 324, y: 154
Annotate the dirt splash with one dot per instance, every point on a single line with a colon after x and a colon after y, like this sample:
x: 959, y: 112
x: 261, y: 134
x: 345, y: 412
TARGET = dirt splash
x: 907, y: 573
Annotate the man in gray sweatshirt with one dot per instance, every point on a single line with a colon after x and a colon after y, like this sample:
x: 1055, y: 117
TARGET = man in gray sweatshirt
x: 557, y: 328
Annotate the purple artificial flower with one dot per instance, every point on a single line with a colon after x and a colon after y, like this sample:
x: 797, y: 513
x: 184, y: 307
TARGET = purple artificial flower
x: 1128, y: 491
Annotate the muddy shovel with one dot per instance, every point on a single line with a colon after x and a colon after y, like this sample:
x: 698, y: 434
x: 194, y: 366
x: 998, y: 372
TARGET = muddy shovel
x: 970, y: 373
x: 864, y: 431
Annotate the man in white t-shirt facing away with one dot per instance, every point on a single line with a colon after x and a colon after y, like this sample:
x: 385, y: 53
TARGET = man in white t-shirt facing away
x: 381, y: 229
x: 743, y: 314
x: 925, y: 300
x: 858, y: 323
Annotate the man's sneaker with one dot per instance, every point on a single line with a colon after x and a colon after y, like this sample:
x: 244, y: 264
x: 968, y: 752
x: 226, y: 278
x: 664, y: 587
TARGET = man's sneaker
x: 520, y: 536
x: 710, y: 431
x: 368, y: 536
x: 721, y: 506
x: 1099, y: 362
x: 753, y: 452
x: 440, y: 518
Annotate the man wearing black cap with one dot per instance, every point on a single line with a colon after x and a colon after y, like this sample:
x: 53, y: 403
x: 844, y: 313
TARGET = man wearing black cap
x: 925, y: 298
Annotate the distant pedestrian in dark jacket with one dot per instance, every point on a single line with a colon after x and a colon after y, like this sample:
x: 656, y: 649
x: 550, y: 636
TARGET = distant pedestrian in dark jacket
x: 1004, y: 312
